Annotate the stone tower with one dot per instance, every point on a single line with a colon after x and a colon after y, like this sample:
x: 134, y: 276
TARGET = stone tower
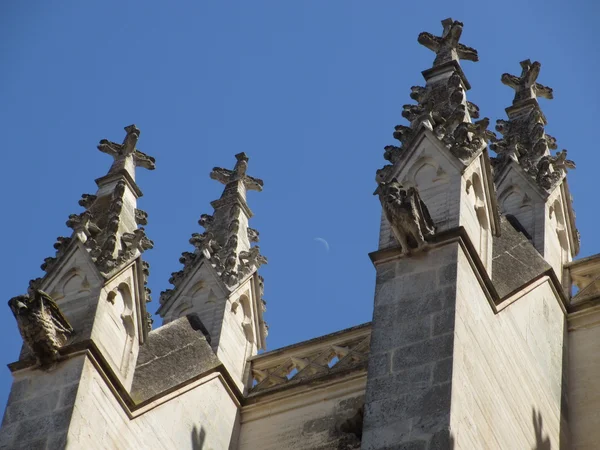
x: 469, y: 323
x: 484, y: 329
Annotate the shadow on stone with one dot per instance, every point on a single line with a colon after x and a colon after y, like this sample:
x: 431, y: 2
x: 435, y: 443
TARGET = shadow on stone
x: 198, y: 438
x: 541, y: 443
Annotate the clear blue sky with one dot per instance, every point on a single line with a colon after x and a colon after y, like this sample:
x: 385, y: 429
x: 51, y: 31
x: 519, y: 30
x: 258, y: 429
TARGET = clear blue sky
x: 310, y: 90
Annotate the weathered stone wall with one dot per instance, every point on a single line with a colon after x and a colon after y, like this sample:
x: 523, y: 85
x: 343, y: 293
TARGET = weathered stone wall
x: 507, y: 370
x: 72, y: 407
x: 203, y: 417
x: 224, y: 317
x: 408, y: 390
x: 583, y: 375
x: 40, y: 407
x: 307, y: 420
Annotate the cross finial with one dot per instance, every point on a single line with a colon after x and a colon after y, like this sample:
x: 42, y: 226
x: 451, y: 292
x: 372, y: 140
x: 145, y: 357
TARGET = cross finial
x: 126, y: 155
x: 238, y: 173
x: 525, y: 86
x: 447, y: 48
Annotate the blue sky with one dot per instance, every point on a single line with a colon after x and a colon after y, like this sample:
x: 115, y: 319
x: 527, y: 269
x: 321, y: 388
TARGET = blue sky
x: 310, y: 90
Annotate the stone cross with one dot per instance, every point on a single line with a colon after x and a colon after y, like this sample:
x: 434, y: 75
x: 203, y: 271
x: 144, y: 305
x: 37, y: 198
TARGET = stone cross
x: 525, y: 86
x: 447, y: 47
x: 126, y: 156
x: 238, y: 174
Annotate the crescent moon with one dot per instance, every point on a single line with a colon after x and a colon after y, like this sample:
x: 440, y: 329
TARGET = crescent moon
x: 324, y: 242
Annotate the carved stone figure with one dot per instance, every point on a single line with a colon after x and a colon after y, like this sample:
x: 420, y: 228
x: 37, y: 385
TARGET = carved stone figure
x: 253, y: 257
x: 87, y: 200
x: 42, y: 325
x: 253, y: 235
x: 407, y: 214
x: 141, y: 217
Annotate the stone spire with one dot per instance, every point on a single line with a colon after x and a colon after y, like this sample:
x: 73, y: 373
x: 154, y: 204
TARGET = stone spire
x: 226, y: 242
x: 442, y: 105
x: 524, y: 139
x: 108, y: 228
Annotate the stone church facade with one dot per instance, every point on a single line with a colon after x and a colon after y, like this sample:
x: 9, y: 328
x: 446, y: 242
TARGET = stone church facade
x: 483, y: 330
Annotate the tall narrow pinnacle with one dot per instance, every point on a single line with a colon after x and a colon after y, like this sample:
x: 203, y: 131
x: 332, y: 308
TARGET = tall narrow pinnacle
x: 442, y: 104
x: 108, y: 228
x: 227, y: 242
x: 524, y: 138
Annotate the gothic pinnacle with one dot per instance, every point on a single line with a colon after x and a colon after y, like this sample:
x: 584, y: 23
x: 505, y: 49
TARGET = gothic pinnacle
x: 108, y: 228
x: 442, y: 105
x: 227, y: 241
x: 524, y: 139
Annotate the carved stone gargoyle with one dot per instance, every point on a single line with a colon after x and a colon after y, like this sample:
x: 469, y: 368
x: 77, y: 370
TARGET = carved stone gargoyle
x: 407, y: 214
x: 42, y: 325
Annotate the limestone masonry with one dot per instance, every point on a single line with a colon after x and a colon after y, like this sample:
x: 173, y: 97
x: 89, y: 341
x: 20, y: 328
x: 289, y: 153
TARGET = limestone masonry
x: 484, y: 330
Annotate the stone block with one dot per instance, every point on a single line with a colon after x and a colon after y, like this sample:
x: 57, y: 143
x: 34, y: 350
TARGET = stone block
x: 68, y: 395
x: 447, y: 275
x: 441, y: 440
x: 442, y: 371
x: 379, y: 365
x: 35, y: 406
x: 424, y: 352
x: 386, y: 436
x: 19, y: 390
x: 398, y: 333
x: 400, y: 383
x: 443, y: 322
x: 57, y: 441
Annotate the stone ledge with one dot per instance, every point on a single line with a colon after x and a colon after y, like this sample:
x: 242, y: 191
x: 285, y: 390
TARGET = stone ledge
x: 459, y: 235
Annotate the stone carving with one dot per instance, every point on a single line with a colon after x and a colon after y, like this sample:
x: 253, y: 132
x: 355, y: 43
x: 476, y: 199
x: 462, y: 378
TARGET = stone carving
x: 206, y: 220
x: 126, y: 151
x: 524, y: 139
x: 149, y: 321
x: 133, y: 243
x: 87, y: 200
x: 42, y: 325
x: 407, y: 214
x: 551, y: 169
x: 100, y: 227
x: 250, y: 260
x: 525, y: 86
x: 238, y: 173
x: 311, y: 363
x: 141, y: 217
x: 253, y: 235
x: 442, y: 106
x: 146, y: 273
x: 447, y: 48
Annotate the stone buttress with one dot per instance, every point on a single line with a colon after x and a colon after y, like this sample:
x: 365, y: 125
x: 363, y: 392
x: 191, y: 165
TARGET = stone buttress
x: 97, y: 279
x: 450, y: 341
